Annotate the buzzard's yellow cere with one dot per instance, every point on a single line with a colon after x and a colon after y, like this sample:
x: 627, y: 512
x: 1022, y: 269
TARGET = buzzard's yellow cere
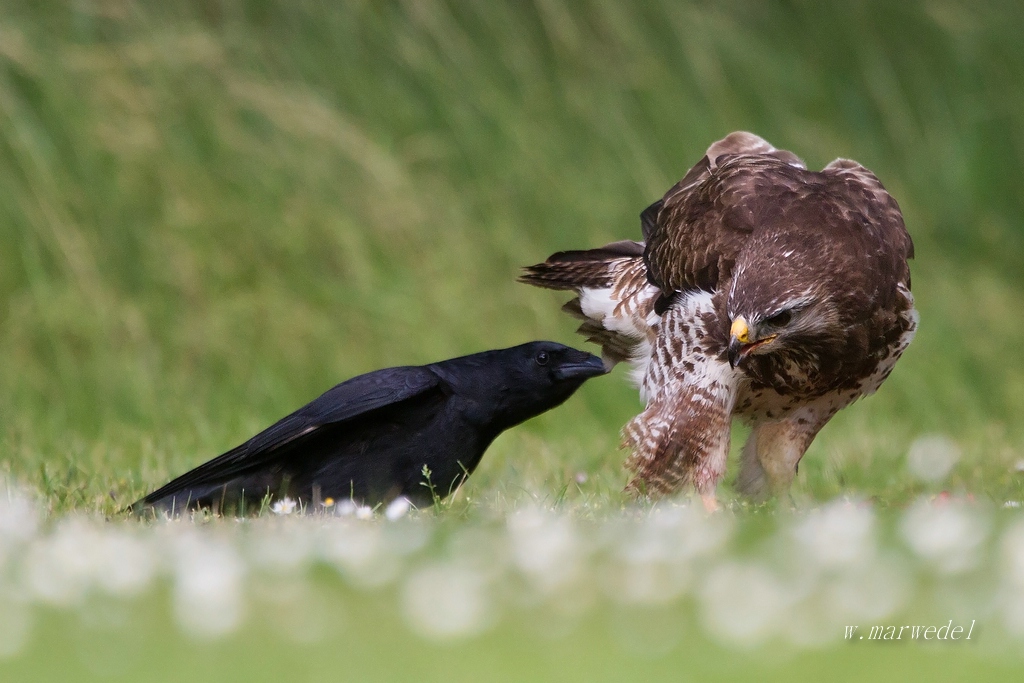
x: 762, y: 290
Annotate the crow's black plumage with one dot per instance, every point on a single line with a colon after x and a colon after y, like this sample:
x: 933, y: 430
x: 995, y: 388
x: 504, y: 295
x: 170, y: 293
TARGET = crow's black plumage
x: 370, y: 438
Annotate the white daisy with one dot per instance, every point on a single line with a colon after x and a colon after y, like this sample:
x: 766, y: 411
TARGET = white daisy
x: 284, y: 506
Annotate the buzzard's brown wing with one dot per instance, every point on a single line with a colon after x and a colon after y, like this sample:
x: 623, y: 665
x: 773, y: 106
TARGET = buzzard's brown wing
x: 856, y: 190
x: 695, y: 232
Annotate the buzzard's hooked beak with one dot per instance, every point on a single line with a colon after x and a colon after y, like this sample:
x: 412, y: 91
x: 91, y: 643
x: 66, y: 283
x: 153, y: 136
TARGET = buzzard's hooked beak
x: 740, y: 341
x: 739, y: 335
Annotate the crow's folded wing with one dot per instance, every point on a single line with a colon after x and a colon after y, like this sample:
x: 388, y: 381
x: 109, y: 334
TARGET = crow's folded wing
x: 356, y: 398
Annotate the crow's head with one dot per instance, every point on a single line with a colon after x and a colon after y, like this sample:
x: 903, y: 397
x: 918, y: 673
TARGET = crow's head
x: 550, y: 366
x: 541, y: 375
x: 511, y: 385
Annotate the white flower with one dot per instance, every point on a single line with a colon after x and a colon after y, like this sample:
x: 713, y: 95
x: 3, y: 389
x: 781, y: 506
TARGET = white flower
x: 397, y: 508
x: 208, y: 596
x: 345, y: 508
x: 837, y: 534
x: 284, y: 506
x: 545, y: 547
x: 447, y: 601
x: 364, y: 512
x: 949, y: 536
x: 932, y: 456
x: 743, y: 603
x: 19, y: 515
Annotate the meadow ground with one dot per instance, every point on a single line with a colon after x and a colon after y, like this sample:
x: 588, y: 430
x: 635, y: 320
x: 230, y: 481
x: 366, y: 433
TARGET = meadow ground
x: 211, y: 212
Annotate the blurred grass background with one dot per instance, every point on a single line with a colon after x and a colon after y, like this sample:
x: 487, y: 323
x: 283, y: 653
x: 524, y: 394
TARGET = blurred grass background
x: 210, y: 212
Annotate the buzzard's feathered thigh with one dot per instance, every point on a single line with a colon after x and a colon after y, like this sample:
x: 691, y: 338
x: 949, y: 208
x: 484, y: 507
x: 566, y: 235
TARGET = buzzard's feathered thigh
x: 682, y: 436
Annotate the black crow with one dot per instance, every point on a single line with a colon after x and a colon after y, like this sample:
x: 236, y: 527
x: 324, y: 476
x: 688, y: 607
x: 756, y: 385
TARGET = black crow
x: 375, y: 437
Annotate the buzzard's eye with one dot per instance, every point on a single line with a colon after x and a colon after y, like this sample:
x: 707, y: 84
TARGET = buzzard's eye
x: 780, y: 319
x: 542, y: 358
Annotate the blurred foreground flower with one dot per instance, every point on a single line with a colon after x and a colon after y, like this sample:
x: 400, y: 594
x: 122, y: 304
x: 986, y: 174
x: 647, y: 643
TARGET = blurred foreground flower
x: 397, y: 508
x: 949, y: 536
x: 446, y: 601
x: 208, y: 584
x: 838, y: 534
x: 931, y: 457
x: 285, y: 506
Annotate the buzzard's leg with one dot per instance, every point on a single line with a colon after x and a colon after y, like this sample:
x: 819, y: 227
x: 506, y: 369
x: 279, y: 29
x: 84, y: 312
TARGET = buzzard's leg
x: 682, y: 439
x: 682, y: 436
x: 772, y: 453
x: 751, y: 480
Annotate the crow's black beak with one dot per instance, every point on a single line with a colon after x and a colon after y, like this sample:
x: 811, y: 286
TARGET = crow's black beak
x: 591, y: 366
x: 735, y: 350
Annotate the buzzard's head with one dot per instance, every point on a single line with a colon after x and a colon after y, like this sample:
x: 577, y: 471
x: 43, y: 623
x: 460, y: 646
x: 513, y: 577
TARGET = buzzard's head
x: 784, y: 300
x: 750, y: 335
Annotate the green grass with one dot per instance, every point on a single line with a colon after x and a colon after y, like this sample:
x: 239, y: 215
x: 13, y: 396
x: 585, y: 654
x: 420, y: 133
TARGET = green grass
x: 211, y: 215
x: 211, y: 212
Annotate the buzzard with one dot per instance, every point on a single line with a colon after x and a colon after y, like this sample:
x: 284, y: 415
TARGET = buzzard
x: 762, y: 291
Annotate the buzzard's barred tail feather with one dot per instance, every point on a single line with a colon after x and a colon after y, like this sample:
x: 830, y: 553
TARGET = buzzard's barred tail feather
x: 583, y: 268
x: 614, y: 299
x: 572, y: 276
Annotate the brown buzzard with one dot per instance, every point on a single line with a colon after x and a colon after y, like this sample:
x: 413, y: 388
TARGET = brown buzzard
x: 762, y: 290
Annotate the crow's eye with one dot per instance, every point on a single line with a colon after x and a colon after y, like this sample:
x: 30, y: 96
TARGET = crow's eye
x: 542, y: 358
x: 780, y: 319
